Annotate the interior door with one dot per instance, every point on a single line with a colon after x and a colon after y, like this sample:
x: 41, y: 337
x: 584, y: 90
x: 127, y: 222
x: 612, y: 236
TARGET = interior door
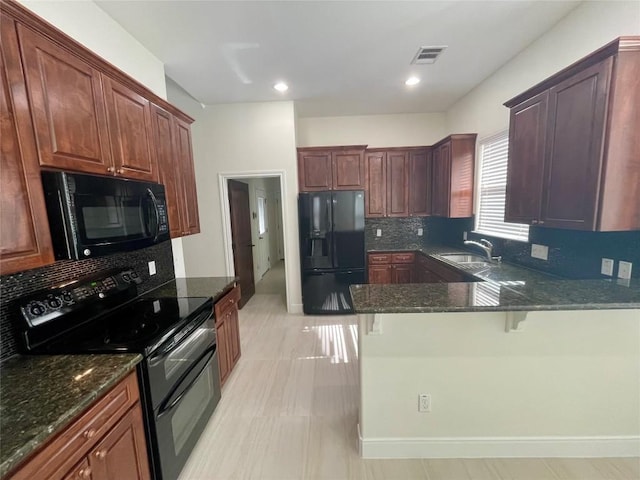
x: 241, y: 238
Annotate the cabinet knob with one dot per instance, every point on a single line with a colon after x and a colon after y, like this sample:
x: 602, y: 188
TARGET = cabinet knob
x: 89, y: 433
x: 541, y: 222
x: 534, y: 222
x: 119, y: 171
x: 84, y: 473
x: 110, y: 169
x: 101, y: 454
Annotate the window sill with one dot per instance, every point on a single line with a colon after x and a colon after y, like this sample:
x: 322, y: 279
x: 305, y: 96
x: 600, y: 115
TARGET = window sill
x: 502, y: 236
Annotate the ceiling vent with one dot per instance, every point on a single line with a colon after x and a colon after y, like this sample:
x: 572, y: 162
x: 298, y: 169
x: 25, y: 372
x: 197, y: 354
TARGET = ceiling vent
x: 427, y: 55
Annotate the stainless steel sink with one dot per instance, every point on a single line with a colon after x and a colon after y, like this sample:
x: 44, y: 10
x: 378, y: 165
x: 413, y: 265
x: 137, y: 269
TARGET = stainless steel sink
x: 465, y: 258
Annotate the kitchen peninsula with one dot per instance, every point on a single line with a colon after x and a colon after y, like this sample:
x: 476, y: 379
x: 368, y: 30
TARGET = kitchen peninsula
x: 516, y: 364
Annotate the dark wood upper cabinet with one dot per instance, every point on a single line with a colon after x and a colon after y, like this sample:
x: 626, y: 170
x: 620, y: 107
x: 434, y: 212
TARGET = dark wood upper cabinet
x: 526, y: 154
x: 375, y: 198
x: 590, y: 160
x: 24, y: 229
x: 420, y: 182
x: 184, y: 162
x: 453, y: 176
x: 67, y: 106
x: 397, y: 184
x: 331, y: 168
x: 129, y: 116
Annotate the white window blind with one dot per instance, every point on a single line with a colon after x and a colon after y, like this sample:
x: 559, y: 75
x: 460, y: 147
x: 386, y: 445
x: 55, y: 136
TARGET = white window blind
x: 493, y: 184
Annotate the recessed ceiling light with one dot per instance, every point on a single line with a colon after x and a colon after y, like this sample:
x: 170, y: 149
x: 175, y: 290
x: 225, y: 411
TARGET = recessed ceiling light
x: 412, y: 81
x: 281, y: 87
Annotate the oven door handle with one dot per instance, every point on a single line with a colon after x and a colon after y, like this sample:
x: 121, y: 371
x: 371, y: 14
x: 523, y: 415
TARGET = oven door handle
x: 198, y: 321
x: 169, y: 404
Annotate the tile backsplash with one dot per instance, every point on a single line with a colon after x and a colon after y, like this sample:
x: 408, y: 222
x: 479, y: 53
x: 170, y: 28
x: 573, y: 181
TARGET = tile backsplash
x: 23, y: 283
x: 396, y: 233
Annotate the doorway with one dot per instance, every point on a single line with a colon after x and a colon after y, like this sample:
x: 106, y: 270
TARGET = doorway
x: 266, y: 222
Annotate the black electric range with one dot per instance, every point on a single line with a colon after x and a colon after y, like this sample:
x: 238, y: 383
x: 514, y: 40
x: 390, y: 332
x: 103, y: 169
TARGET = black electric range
x: 179, y: 374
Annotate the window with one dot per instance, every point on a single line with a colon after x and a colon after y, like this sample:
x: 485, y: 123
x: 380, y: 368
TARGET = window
x: 492, y: 185
x: 262, y: 215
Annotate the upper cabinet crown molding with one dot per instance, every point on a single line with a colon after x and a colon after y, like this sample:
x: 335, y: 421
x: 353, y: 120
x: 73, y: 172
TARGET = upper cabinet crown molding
x: 29, y: 19
x: 574, y: 154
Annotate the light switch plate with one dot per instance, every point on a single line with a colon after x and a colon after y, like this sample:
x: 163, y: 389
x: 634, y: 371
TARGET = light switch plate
x: 378, y: 232
x: 607, y: 267
x: 152, y: 267
x: 420, y: 232
x: 539, y: 251
x: 624, y: 269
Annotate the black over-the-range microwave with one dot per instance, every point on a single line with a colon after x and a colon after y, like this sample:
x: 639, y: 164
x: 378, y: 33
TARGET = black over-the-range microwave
x: 90, y: 215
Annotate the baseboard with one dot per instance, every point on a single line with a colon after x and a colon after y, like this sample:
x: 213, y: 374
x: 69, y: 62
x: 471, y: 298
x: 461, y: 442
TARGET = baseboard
x: 500, y: 447
x: 295, y: 308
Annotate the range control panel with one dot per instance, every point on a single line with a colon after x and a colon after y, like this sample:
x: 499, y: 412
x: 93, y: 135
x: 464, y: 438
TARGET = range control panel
x: 46, y: 305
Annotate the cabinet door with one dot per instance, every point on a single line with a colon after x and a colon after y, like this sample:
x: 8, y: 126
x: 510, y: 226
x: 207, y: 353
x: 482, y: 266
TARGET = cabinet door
x: 379, y: 273
x: 461, y: 160
x: 402, y: 273
x: 441, y: 180
x: 573, y: 159
x: 129, y: 116
x: 420, y: 183
x: 122, y: 453
x: 234, y: 335
x: 24, y: 229
x: 67, y: 107
x: 397, y: 184
x: 527, y: 132
x: 348, y: 170
x: 169, y: 175
x: 314, y: 171
x: 222, y: 334
x: 184, y: 161
x: 376, y: 184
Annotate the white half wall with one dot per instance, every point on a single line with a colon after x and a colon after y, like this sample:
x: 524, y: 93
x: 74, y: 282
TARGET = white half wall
x: 89, y: 25
x: 245, y: 139
x: 566, y: 385
x: 372, y: 130
x: 586, y: 28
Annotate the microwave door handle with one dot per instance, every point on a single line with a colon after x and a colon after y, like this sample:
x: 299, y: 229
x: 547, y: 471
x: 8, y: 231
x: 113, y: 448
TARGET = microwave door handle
x: 157, y: 212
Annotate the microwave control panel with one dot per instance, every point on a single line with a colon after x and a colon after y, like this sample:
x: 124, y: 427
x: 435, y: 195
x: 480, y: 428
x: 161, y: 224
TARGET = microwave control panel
x: 47, y: 305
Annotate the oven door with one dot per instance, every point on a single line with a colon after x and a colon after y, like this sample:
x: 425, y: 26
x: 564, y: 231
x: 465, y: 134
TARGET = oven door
x: 184, y: 413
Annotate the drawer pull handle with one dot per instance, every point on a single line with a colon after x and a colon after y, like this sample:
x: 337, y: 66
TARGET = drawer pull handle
x: 89, y: 433
x: 101, y: 454
x: 84, y: 473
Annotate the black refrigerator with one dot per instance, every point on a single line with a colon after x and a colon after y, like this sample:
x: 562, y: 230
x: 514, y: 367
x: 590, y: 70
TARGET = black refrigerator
x: 331, y: 249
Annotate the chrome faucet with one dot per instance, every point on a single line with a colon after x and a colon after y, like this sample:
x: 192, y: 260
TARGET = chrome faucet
x: 486, y: 246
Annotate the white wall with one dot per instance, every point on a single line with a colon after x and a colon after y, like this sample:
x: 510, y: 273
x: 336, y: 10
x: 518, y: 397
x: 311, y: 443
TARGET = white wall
x: 373, y: 130
x: 89, y: 25
x: 238, y: 140
x: 585, y: 29
x: 567, y: 382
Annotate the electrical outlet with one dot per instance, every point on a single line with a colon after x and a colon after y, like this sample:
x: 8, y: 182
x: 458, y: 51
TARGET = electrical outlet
x: 424, y: 403
x: 152, y: 267
x: 378, y: 232
x: 624, y: 270
x: 420, y: 232
x: 607, y: 267
x: 539, y: 251
x: 464, y: 235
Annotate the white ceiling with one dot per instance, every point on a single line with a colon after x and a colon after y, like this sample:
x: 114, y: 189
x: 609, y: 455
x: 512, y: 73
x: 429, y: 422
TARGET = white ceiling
x: 339, y: 57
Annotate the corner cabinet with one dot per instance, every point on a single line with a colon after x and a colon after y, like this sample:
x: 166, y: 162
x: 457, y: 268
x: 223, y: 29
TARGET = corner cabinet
x: 574, y: 156
x: 453, y: 176
x: 106, y: 442
x: 331, y: 168
x: 397, y: 182
x: 227, y: 332
x: 24, y: 228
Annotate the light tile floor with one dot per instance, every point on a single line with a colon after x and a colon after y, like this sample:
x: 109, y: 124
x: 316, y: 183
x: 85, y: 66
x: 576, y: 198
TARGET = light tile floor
x: 289, y: 411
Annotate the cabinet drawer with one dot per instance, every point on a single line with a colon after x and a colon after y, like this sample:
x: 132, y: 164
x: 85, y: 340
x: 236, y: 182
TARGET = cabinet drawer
x: 227, y: 301
x: 379, y: 258
x: 407, y: 257
x: 59, y: 456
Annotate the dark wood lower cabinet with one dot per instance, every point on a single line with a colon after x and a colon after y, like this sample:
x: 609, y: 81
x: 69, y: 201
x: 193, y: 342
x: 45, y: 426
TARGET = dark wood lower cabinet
x: 402, y: 273
x: 106, y: 442
x: 227, y: 332
x: 410, y: 267
x: 380, y: 274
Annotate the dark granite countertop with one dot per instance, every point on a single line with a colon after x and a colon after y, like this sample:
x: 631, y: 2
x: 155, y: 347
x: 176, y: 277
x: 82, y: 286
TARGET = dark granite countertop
x: 194, y: 287
x: 500, y: 287
x: 41, y: 395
